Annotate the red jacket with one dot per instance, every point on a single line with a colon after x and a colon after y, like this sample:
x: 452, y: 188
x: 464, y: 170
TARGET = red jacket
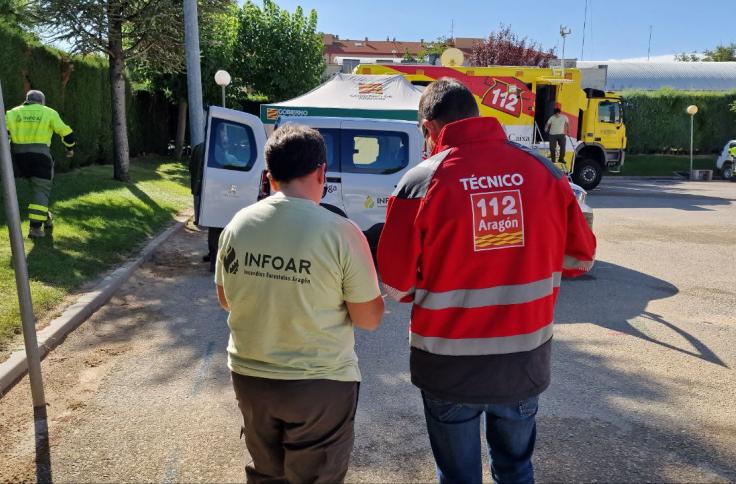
x: 478, y: 237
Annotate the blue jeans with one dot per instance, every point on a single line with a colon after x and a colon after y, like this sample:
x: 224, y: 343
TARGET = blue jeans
x: 454, y: 433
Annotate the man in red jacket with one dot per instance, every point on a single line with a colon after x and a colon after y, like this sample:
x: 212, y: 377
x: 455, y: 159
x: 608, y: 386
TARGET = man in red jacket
x: 478, y: 237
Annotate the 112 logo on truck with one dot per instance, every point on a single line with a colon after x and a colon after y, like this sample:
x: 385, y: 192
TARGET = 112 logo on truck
x: 509, y: 96
x: 498, y: 220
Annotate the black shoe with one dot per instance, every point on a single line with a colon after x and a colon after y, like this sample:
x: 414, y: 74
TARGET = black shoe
x: 206, y: 258
x: 36, y: 233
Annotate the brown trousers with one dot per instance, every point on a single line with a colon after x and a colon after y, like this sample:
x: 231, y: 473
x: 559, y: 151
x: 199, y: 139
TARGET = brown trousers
x: 297, y: 430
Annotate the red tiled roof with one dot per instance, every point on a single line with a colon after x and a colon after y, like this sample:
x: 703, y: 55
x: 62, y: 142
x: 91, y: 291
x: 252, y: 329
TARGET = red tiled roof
x: 374, y: 48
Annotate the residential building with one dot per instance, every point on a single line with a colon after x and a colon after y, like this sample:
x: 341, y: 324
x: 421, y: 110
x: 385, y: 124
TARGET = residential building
x: 344, y: 54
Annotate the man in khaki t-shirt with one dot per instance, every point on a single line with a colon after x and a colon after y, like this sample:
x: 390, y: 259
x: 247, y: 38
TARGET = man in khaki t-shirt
x: 296, y: 279
x: 558, y: 127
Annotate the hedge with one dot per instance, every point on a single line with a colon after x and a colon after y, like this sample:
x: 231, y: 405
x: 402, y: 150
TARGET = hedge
x: 656, y: 121
x: 79, y: 88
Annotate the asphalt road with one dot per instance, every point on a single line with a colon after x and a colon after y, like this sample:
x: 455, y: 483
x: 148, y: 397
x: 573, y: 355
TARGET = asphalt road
x: 643, y: 380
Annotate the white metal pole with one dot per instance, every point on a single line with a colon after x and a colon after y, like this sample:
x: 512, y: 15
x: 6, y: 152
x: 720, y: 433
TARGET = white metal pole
x: 563, y: 55
x: 194, y: 73
x: 692, y: 122
x: 223, y: 95
x: 12, y: 214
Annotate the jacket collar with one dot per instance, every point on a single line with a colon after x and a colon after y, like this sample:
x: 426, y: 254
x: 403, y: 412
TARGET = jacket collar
x: 470, y: 130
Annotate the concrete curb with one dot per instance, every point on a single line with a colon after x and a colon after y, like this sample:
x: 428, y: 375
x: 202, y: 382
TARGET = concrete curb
x: 15, y: 367
x: 661, y: 177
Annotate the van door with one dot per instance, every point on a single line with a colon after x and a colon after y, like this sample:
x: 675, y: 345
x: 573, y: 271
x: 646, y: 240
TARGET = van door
x: 374, y: 157
x: 234, y: 146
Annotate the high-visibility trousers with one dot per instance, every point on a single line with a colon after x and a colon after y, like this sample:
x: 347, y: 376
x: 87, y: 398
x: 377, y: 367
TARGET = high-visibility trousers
x: 39, y: 170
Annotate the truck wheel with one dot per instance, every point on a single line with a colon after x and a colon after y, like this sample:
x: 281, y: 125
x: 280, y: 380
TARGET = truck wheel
x: 727, y: 171
x: 588, y: 173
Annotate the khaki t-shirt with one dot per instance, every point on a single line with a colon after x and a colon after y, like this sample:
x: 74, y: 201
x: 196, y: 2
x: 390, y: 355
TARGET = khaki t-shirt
x: 557, y: 124
x: 287, y: 266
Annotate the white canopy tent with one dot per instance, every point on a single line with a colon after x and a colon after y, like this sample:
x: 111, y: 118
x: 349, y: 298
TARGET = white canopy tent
x: 355, y: 96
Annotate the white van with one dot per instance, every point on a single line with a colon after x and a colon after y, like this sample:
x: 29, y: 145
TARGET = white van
x: 366, y: 158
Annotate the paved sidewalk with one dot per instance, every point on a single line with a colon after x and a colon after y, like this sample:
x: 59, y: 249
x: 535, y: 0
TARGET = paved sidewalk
x: 643, y: 377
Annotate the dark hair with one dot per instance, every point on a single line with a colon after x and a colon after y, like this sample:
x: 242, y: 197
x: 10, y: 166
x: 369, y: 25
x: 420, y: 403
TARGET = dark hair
x: 294, y: 151
x: 558, y: 110
x: 447, y: 100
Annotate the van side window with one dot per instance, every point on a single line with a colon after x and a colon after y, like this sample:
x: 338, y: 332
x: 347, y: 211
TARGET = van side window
x: 331, y: 137
x: 232, y: 146
x: 376, y: 152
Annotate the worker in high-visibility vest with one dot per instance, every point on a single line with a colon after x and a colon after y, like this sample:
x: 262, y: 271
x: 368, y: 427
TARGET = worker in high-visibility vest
x: 31, y: 126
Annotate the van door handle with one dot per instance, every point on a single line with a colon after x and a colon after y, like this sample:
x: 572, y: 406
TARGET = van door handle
x: 334, y: 179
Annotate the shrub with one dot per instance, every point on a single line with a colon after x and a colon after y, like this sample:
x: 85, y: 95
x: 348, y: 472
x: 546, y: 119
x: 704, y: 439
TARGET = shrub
x: 79, y: 88
x: 656, y: 121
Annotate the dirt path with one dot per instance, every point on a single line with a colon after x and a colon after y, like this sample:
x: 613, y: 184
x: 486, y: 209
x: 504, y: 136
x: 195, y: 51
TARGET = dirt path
x: 643, y: 380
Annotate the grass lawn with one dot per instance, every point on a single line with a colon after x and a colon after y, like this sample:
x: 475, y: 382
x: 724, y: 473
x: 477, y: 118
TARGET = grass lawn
x: 664, y: 165
x: 97, y: 223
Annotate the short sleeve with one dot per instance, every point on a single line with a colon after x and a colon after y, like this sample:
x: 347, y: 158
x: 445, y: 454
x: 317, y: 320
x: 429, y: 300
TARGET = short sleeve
x: 219, y: 262
x: 360, y: 282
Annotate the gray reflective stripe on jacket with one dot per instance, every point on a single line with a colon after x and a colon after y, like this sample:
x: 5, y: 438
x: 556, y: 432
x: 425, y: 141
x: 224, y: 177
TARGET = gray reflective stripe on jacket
x: 573, y: 263
x: 39, y: 148
x: 482, y: 346
x: 491, y: 296
x: 395, y: 294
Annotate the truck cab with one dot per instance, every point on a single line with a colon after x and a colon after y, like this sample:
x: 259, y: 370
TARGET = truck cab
x: 603, y: 138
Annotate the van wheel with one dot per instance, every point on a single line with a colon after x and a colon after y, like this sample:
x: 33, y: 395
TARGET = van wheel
x: 727, y: 171
x: 588, y: 173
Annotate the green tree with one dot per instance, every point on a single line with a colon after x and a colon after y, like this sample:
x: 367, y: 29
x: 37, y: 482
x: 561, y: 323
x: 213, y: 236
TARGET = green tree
x: 149, y: 31
x: 217, y: 31
x: 721, y: 53
x: 433, y: 49
x: 15, y: 14
x: 685, y: 57
x: 277, y: 54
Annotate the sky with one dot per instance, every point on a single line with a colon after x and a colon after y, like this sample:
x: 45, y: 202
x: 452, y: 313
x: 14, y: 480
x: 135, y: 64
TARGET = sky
x: 614, y: 29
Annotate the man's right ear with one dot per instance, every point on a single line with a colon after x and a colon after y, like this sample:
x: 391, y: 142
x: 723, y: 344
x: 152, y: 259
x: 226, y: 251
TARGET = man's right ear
x: 274, y: 184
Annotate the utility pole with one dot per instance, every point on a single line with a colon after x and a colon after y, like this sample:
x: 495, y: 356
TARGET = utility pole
x: 33, y: 357
x: 649, y: 49
x: 585, y: 22
x: 194, y: 73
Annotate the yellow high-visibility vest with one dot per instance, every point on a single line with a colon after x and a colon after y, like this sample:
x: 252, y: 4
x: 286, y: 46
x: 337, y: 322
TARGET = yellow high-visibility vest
x: 35, y: 124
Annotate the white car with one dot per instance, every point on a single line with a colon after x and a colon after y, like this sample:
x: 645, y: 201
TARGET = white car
x: 366, y: 158
x: 725, y: 162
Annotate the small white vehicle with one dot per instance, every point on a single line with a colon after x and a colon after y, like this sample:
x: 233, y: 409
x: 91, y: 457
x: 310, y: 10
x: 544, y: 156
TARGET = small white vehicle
x: 725, y: 162
x: 366, y: 158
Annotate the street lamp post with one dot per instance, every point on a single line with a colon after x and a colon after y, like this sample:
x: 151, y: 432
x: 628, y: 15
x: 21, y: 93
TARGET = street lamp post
x: 564, y: 32
x: 222, y: 79
x: 692, y: 110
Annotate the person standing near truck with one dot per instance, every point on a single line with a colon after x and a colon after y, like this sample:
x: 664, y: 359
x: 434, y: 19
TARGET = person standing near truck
x: 558, y: 127
x: 31, y: 126
x: 477, y: 237
x: 296, y: 279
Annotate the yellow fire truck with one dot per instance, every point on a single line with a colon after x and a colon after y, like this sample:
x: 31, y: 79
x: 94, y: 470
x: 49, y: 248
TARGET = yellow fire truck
x: 524, y: 98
